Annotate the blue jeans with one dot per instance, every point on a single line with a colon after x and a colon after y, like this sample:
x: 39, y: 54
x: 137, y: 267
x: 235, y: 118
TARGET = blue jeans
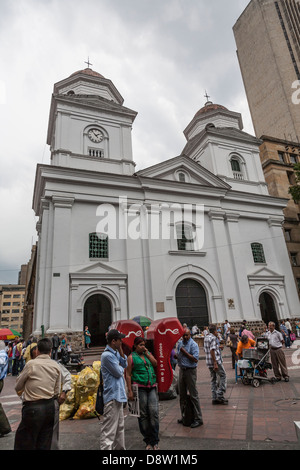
x: 149, y: 418
x: 218, y: 382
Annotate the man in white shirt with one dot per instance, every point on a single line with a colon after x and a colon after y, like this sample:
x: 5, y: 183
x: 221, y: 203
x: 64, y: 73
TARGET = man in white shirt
x: 40, y: 385
x: 277, y: 354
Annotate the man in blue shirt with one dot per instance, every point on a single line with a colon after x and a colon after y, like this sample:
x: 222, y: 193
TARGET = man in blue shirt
x: 188, y: 355
x: 113, y: 364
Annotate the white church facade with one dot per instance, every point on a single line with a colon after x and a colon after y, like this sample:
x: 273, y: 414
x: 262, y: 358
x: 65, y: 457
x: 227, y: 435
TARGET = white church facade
x: 196, y: 236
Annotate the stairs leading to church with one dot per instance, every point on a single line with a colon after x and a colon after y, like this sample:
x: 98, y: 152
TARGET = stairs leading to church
x: 93, y: 351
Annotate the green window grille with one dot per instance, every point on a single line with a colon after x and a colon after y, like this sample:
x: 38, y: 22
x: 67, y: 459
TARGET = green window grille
x: 235, y: 165
x: 258, y: 253
x: 98, y: 246
x: 185, y: 238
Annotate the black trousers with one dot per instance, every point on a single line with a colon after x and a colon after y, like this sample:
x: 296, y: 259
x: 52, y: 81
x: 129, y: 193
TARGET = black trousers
x: 36, y: 427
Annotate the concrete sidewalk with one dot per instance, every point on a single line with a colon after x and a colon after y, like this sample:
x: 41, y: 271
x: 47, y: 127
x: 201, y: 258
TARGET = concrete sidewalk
x: 255, y: 419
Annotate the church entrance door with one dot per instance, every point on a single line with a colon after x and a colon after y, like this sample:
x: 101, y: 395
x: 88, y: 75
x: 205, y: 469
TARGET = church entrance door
x: 191, y: 303
x: 268, y: 309
x: 97, y: 316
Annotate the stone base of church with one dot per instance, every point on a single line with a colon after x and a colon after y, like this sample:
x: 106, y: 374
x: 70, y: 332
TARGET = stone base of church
x: 256, y: 327
x: 74, y: 339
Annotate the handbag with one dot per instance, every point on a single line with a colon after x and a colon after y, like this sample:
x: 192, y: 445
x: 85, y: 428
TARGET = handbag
x: 4, y: 423
x: 99, y: 406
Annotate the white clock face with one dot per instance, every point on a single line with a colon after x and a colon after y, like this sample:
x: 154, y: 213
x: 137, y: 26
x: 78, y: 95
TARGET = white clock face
x: 95, y: 135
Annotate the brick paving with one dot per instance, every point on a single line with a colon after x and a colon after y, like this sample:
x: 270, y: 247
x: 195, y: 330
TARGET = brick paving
x: 257, y: 418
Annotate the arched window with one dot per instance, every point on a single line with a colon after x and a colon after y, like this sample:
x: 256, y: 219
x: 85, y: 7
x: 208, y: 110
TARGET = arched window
x: 98, y: 245
x: 235, y: 165
x: 258, y: 253
x: 185, y: 236
x: 181, y: 177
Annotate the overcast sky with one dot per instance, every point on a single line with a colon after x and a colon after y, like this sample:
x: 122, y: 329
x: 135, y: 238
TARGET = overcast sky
x: 161, y: 55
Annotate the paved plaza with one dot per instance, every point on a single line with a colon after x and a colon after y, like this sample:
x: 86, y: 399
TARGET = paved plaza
x: 255, y: 419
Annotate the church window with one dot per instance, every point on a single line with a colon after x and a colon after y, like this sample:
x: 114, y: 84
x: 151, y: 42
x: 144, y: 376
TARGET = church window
x: 98, y: 245
x: 185, y: 237
x: 235, y: 165
x: 258, y: 253
x: 181, y: 177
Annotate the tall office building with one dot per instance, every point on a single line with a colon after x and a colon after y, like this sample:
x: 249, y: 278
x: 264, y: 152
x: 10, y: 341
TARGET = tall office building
x: 267, y: 36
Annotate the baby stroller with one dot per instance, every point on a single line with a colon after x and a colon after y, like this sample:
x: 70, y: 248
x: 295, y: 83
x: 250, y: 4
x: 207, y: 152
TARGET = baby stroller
x: 71, y: 361
x: 255, y: 364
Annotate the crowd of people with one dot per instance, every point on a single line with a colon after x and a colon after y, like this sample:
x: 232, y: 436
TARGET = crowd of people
x: 43, y: 382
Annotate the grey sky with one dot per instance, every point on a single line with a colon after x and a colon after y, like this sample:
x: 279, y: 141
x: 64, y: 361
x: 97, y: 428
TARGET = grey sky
x: 161, y: 55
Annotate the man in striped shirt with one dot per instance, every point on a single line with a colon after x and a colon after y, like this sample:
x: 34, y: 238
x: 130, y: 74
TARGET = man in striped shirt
x: 214, y: 362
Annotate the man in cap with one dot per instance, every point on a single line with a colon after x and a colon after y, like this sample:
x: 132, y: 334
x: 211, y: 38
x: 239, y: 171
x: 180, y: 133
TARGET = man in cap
x: 113, y: 364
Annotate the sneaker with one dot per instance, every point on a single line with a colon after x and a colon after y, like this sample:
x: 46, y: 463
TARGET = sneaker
x: 180, y: 421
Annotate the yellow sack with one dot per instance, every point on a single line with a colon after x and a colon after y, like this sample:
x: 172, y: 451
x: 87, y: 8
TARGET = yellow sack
x: 96, y: 367
x: 86, y: 389
x: 86, y: 409
x: 68, y: 408
x: 87, y: 384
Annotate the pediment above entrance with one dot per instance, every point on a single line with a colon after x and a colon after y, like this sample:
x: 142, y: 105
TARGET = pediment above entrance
x: 98, y: 270
x: 264, y: 273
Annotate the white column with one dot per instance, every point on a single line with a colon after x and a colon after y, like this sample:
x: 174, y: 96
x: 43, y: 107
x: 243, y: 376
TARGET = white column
x: 43, y: 284
x: 290, y: 308
x: 60, y: 283
x: 243, y: 305
x: 224, y: 262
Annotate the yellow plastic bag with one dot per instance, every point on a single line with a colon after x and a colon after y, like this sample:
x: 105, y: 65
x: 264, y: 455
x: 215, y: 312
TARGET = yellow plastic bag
x: 86, y: 409
x: 68, y: 408
x: 96, y: 367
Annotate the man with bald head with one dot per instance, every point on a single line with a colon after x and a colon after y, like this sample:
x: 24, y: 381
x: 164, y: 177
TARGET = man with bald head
x: 188, y: 356
x: 278, y: 359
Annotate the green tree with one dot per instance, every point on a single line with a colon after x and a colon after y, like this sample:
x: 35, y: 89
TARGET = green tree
x: 294, y: 190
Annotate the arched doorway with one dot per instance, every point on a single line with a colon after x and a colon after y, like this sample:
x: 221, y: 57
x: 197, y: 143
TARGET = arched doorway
x: 268, y: 309
x: 191, y: 303
x: 97, y: 316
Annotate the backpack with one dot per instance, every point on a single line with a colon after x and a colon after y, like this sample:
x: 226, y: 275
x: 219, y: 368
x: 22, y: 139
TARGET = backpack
x: 99, y: 406
x: 188, y: 412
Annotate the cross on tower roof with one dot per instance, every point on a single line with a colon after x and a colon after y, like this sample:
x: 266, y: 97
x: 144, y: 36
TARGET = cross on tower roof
x: 88, y: 62
x: 206, y: 95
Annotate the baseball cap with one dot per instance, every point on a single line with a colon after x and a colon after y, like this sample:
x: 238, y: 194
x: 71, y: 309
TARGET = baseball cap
x: 114, y: 334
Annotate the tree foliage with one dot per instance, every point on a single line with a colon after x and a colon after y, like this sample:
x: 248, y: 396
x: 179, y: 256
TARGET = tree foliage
x: 294, y: 190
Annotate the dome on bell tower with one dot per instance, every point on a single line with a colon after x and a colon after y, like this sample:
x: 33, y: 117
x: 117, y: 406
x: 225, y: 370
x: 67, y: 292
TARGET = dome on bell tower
x: 212, y: 114
x: 88, y: 82
x: 89, y: 72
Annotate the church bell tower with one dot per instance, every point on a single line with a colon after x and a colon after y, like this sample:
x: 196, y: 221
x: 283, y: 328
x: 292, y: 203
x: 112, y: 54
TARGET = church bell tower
x: 89, y: 128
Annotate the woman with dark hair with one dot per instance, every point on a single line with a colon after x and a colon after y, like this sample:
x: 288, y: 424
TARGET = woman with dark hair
x: 140, y: 371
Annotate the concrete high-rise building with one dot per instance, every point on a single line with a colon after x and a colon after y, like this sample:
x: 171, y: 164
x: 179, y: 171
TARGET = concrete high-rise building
x: 267, y: 36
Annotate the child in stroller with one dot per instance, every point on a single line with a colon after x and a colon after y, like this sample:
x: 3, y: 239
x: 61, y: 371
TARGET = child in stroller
x: 255, y: 364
